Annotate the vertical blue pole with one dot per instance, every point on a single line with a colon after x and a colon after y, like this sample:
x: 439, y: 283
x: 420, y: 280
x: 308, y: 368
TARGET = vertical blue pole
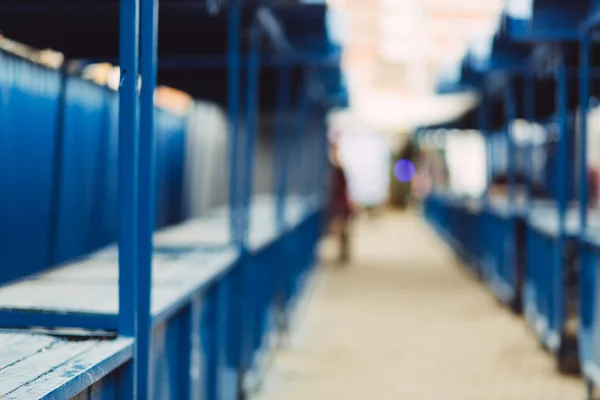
x: 233, y: 108
x: 282, y: 143
x: 128, y: 183
x: 562, y: 177
x: 483, y: 123
x: 147, y: 195
x: 510, y: 104
x: 587, y: 275
x: 308, y: 150
x: 251, y: 121
x: 584, y: 103
x: 529, y: 114
x: 324, y: 171
x: 302, y: 111
x: 562, y: 185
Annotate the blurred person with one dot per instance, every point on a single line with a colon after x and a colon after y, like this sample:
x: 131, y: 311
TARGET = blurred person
x: 421, y: 184
x: 593, y: 187
x: 340, y: 207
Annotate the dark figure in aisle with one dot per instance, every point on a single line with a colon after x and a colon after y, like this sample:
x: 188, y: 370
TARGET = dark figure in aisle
x: 340, y: 206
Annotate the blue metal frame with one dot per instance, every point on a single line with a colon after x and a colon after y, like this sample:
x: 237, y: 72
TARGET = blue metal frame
x: 143, y: 333
x: 282, y: 143
x: 147, y: 190
x: 584, y: 103
x: 233, y: 88
x: 128, y: 187
x: 303, y: 103
x: 252, y: 99
x: 529, y: 115
x: 510, y: 115
x: 562, y: 183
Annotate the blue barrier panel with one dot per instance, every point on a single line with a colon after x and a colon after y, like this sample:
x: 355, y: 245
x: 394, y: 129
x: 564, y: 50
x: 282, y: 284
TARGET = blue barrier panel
x: 545, y: 292
x: 589, y: 343
x: 460, y: 223
x: 505, y: 251
x: 170, y: 155
x: 88, y: 194
x: 82, y: 169
x: 27, y: 155
x: 87, y: 168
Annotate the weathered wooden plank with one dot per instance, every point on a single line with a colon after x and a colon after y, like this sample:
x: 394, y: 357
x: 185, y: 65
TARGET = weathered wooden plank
x: 201, y: 231
x: 65, y: 297
x: 17, y: 347
x: 164, y: 271
x: 16, y: 375
x: 69, y: 291
x: 79, y: 372
x: 545, y: 219
x: 5, y: 336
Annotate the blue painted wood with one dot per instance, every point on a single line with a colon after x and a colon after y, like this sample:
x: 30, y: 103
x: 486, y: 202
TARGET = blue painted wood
x: 16, y: 347
x: 47, y: 299
x: 213, y: 231
x: 44, y: 367
x: 89, y: 370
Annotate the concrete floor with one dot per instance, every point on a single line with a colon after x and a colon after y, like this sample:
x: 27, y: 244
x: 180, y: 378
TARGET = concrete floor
x: 404, y: 321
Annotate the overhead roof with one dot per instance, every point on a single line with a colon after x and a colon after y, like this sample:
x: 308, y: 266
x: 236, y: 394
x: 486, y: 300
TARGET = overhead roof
x: 192, y: 41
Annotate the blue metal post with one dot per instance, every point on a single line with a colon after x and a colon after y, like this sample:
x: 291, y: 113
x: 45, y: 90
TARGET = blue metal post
x: 308, y: 150
x: 324, y: 170
x: 128, y: 183
x: 147, y: 195
x: 529, y: 114
x: 251, y: 122
x: 233, y: 109
x: 562, y: 177
x: 510, y: 107
x: 302, y: 111
x: 282, y: 143
x: 483, y: 116
x: 584, y: 103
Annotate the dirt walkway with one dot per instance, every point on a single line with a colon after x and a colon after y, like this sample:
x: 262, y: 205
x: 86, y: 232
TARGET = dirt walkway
x: 403, y: 322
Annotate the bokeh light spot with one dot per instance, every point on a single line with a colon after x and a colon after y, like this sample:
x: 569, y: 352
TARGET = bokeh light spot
x: 404, y: 170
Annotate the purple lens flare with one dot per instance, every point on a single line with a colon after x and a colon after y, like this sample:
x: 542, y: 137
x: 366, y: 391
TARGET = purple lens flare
x: 404, y: 170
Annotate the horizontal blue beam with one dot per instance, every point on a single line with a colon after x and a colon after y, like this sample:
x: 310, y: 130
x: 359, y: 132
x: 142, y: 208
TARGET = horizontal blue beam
x: 331, y: 60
